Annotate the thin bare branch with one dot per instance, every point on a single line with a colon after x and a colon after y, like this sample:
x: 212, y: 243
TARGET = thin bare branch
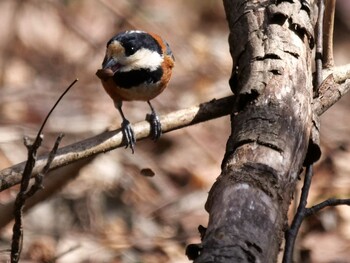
x: 39, y: 177
x: 24, y: 193
x: 55, y: 105
x: 328, y: 24
x: 303, y: 212
x: 319, y: 45
x: 329, y: 202
x: 292, y: 232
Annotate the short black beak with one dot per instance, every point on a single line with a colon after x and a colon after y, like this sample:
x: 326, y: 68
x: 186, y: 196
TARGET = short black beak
x: 110, y: 63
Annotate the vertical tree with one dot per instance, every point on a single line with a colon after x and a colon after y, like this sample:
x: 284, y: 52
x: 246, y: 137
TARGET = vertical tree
x: 271, y: 44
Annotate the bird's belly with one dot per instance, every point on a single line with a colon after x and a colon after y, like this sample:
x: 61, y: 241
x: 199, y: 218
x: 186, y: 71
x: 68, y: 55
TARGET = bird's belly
x: 141, y: 92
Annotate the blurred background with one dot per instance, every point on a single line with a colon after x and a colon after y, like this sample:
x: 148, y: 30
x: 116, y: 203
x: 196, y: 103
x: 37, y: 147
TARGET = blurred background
x: 105, y: 209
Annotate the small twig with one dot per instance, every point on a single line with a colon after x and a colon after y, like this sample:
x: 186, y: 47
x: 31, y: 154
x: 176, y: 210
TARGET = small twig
x: 39, y: 177
x: 55, y: 105
x: 329, y: 202
x: 328, y: 59
x: 17, y: 237
x: 303, y: 212
x: 292, y: 232
x: 24, y: 193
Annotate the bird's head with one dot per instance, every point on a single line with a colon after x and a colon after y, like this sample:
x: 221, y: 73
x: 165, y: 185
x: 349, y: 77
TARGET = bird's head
x: 134, y: 50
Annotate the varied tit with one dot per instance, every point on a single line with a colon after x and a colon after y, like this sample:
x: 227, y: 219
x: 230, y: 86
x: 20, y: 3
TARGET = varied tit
x: 137, y: 66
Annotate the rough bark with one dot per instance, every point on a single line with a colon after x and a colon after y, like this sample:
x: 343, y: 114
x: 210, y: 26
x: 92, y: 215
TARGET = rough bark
x: 270, y: 43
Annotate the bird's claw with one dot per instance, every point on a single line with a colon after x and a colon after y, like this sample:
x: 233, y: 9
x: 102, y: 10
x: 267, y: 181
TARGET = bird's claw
x: 128, y: 135
x: 156, y: 127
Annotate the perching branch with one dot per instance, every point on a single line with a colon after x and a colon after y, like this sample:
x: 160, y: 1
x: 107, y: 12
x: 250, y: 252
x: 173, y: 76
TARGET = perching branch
x: 110, y: 140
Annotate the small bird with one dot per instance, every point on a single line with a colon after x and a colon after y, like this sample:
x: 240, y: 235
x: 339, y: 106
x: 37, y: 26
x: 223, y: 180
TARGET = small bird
x: 137, y: 66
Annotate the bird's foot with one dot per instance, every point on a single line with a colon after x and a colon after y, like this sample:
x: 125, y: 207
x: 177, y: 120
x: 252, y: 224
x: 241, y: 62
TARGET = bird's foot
x: 128, y: 135
x: 156, y: 127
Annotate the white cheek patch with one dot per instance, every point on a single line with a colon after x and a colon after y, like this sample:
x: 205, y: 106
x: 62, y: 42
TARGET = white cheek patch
x: 143, y: 58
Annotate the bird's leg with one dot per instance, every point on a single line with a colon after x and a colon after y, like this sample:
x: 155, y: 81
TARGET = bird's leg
x: 153, y: 119
x: 126, y: 128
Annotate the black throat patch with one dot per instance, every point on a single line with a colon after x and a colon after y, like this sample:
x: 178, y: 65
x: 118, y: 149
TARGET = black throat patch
x: 138, y: 77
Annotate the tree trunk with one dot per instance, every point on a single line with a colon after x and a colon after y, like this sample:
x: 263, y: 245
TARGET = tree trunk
x: 270, y: 43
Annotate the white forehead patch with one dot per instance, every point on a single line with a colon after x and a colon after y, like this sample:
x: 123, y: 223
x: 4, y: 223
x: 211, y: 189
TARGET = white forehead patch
x: 135, y: 31
x: 143, y: 58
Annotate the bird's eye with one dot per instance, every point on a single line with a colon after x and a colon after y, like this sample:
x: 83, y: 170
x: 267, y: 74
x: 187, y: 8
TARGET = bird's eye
x: 129, y: 49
